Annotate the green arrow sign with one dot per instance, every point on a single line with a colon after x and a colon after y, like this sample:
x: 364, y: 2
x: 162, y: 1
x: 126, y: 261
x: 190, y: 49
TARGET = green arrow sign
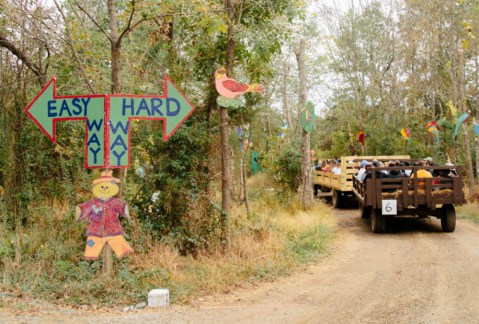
x: 108, y: 119
x: 47, y: 109
x: 172, y: 107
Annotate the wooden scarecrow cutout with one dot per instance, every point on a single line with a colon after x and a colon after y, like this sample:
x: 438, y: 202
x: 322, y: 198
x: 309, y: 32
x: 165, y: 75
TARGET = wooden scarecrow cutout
x: 102, y: 213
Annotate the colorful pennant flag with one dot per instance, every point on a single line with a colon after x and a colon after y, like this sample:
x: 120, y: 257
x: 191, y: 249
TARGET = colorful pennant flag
x: 453, y: 109
x: 406, y: 134
x: 360, y: 136
x: 462, y: 119
x: 476, y: 129
x: 431, y: 128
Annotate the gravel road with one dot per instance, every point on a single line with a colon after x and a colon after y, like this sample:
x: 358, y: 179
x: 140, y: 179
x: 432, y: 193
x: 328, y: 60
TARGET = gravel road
x: 415, y: 273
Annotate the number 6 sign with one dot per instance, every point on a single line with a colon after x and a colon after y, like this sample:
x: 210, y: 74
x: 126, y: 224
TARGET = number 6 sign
x: 389, y: 207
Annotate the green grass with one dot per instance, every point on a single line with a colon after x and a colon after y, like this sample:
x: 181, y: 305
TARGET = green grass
x: 468, y: 211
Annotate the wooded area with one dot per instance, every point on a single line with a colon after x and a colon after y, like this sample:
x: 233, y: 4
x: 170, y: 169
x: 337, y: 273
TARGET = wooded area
x: 377, y: 67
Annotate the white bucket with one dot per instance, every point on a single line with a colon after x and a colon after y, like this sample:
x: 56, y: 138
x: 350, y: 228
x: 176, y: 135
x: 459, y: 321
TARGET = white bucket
x: 159, y: 298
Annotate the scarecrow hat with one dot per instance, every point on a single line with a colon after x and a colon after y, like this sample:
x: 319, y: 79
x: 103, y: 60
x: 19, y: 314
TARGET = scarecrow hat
x: 106, y: 176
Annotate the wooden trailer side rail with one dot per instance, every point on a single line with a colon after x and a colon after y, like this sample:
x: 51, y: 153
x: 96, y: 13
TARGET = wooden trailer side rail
x: 412, y: 192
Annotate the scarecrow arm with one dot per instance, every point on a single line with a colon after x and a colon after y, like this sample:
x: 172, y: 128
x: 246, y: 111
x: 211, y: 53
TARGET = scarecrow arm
x: 82, y: 211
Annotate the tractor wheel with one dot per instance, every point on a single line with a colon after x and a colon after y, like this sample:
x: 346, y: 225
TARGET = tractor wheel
x: 448, y: 218
x: 336, y: 198
x: 365, y: 211
x: 378, y: 221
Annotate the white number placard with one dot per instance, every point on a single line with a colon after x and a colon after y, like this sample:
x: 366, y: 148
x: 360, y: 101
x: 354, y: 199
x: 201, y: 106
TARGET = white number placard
x: 389, y: 207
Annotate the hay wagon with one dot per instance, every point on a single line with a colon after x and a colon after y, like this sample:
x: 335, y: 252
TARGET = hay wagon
x: 338, y: 186
x: 380, y: 198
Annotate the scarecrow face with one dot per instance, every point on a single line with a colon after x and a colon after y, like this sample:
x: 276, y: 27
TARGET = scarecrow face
x: 105, y: 190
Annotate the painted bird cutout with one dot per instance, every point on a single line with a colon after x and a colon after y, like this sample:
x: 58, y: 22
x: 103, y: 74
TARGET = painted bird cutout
x: 231, y: 88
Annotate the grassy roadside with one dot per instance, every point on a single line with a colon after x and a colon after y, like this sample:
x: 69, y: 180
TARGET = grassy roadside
x: 469, y: 211
x: 272, y: 241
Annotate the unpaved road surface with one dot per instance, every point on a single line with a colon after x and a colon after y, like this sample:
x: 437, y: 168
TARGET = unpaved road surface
x: 413, y: 274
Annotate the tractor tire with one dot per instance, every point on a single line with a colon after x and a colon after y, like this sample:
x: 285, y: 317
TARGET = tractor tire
x: 365, y: 211
x: 448, y: 218
x: 378, y: 221
x: 336, y: 199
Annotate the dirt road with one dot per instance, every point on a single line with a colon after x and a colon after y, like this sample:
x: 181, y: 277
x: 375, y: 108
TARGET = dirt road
x: 413, y: 274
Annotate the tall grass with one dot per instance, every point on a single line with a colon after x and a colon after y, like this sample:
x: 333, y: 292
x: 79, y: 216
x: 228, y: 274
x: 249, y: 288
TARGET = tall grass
x: 469, y: 211
x: 271, y: 241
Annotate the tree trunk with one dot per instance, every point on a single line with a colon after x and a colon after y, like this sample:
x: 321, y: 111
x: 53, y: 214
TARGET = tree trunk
x: 462, y: 97
x: 477, y: 157
x: 224, y: 129
x: 243, y: 179
x: 226, y: 173
x: 286, y: 108
x: 115, y: 45
x: 470, y: 168
x: 306, y: 176
x: 476, y: 74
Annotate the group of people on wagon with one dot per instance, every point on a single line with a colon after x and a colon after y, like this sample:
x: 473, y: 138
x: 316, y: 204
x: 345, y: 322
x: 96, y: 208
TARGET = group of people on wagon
x: 333, y: 166
x: 365, y: 171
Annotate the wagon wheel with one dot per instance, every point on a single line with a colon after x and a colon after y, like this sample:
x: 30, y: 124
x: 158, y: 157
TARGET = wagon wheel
x: 378, y: 221
x: 365, y: 211
x: 336, y: 198
x: 448, y: 218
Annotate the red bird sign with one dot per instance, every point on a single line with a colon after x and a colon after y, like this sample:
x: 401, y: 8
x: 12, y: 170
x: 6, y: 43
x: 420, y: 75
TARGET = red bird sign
x: 230, y: 88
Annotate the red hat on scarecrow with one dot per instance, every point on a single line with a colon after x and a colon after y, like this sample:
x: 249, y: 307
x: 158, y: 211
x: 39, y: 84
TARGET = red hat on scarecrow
x: 106, y: 176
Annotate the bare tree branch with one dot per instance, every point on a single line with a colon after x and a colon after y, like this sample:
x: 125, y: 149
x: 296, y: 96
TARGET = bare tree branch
x: 94, y: 21
x: 128, y: 28
x: 69, y: 42
x: 5, y: 43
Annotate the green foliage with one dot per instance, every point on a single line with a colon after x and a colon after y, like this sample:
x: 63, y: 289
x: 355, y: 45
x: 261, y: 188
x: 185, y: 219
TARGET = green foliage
x: 287, y: 170
x: 310, y: 243
x: 173, y: 189
x: 469, y: 212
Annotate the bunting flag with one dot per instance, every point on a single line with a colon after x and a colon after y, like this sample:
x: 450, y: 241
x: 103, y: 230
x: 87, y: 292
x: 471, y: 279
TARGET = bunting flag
x: 239, y: 131
x: 431, y: 128
x: 255, y: 166
x: 430, y: 124
x: 308, y: 117
x: 462, y: 119
x: 453, y: 109
x: 360, y: 136
x: 476, y: 129
x: 406, y: 134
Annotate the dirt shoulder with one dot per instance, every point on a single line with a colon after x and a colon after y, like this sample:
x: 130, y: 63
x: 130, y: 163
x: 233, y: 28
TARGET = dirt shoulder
x: 413, y: 274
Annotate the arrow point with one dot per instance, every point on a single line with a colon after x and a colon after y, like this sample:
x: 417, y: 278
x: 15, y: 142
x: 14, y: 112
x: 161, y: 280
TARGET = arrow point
x: 36, y: 110
x: 171, y: 124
